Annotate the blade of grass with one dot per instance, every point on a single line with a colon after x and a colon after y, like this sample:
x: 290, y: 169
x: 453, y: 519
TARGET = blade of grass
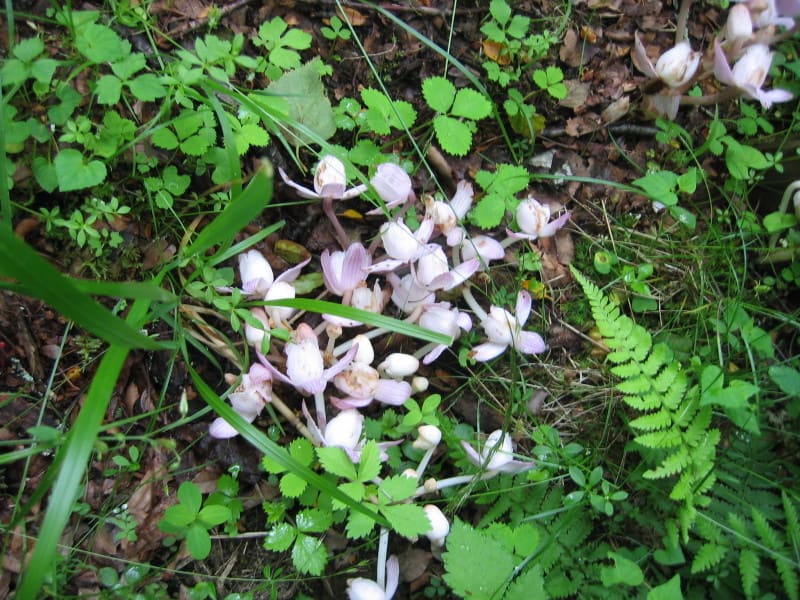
x: 72, y: 459
x: 20, y: 262
x: 5, y: 198
x: 270, y: 449
x: 236, y: 215
x: 363, y: 316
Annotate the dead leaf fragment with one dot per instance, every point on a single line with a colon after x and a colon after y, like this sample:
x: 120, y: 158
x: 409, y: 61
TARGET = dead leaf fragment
x: 497, y: 52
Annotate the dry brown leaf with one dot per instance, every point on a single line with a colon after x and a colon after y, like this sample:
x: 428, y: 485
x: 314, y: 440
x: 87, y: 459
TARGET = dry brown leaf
x: 577, y: 93
x: 495, y: 51
x: 578, y: 126
x: 356, y: 18
x: 616, y: 110
x: 569, y: 52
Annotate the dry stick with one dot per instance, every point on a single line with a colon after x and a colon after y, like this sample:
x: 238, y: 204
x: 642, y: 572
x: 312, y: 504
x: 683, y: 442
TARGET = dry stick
x: 722, y: 96
x: 681, y: 32
x: 291, y: 417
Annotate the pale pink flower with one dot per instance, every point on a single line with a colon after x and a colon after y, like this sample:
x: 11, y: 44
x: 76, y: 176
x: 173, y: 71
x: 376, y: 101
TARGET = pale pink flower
x: 447, y: 216
x: 482, y: 247
x: 392, y: 184
x: 344, y: 271
x: 504, y: 329
x: 533, y: 218
x: 255, y: 273
x: 401, y: 244
x: 305, y: 366
x: 408, y: 294
x: 439, y: 317
x: 497, y: 455
x: 749, y: 73
x: 434, y: 273
x: 675, y: 67
x: 330, y: 181
x: 248, y: 400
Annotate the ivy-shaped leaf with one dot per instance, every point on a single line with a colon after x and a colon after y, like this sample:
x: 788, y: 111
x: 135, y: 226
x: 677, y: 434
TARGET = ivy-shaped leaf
x: 74, y: 172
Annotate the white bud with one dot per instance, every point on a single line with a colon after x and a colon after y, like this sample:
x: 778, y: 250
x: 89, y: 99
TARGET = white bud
x: 398, y: 365
x: 428, y: 437
x: 419, y: 384
x: 330, y: 180
x: 430, y: 485
x: 740, y: 24
x: 365, y: 353
x: 364, y: 589
x: 392, y: 184
x: 344, y: 430
x: 440, y: 526
x: 532, y: 216
x: 410, y: 473
x: 255, y: 272
x: 678, y: 64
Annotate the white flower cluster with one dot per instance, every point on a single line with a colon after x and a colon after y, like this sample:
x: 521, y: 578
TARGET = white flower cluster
x: 743, y: 42
x: 416, y: 266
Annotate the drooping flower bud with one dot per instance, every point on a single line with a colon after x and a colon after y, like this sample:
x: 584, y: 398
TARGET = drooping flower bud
x: 739, y: 26
x: 429, y: 437
x: 398, y: 365
x: 255, y: 272
x: 677, y: 66
x: 440, y: 526
x: 330, y: 180
x: 392, y: 184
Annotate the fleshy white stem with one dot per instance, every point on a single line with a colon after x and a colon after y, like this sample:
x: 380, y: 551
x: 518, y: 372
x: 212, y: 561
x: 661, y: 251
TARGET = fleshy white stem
x: 453, y: 481
x: 383, y: 548
x: 508, y: 241
x: 345, y: 346
x: 423, y: 464
x: 319, y: 403
x: 683, y: 18
x: 473, y: 304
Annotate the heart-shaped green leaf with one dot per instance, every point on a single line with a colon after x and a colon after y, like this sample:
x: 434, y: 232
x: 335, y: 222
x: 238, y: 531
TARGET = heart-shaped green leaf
x: 76, y: 173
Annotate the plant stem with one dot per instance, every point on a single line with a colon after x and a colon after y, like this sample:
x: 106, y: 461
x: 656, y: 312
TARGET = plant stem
x: 683, y: 18
x: 383, y: 547
x: 473, y: 304
x: 319, y: 403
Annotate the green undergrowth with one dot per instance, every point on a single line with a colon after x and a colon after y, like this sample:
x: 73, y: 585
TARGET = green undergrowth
x: 664, y: 430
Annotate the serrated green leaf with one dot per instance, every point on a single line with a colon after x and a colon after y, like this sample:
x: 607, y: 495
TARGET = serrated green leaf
x: 749, y: 568
x: 292, y: 485
x: 309, y: 555
x: 355, y: 489
x: 439, y: 93
x: 360, y: 525
x: 476, y: 566
x: 471, y: 105
x: 147, y: 87
x: 313, y: 520
x: 302, y: 450
x: 527, y: 586
x: 280, y: 537
x: 396, y: 488
x: 100, y: 44
x: 165, y: 138
x: 408, y: 520
x: 336, y: 462
x: 454, y: 136
x: 369, y: 465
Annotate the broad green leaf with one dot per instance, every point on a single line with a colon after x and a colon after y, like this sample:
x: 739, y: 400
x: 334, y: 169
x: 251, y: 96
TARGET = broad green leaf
x: 100, y: 44
x: 408, y: 520
x: 27, y: 50
x: 302, y: 450
x: 214, y: 514
x: 786, y: 378
x: 76, y: 173
x: 471, y: 105
x: 454, y: 136
x: 309, y: 108
x: 779, y: 221
x: 198, y: 542
x: 439, y: 93
x: 336, y: 462
x: 45, y: 173
x: 189, y: 495
x: 624, y: 571
x: 671, y: 590
x: 313, y: 520
x: 129, y: 66
x: 741, y: 158
x: 108, y: 89
x: 309, y: 555
x: 280, y: 537
x: 179, y: 515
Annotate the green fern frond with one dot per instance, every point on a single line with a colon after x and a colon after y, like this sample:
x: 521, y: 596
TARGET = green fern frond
x: 653, y: 383
x: 767, y: 534
x: 749, y: 570
x: 710, y: 554
x: 792, y: 526
x: 788, y: 574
